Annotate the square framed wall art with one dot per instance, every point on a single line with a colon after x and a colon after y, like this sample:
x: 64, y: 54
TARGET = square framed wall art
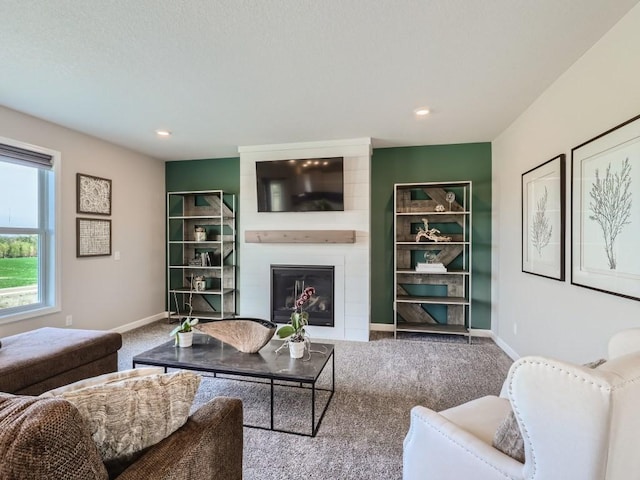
x: 93, y: 195
x: 605, y: 211
x: 543, y: 219
x: 93, y: 237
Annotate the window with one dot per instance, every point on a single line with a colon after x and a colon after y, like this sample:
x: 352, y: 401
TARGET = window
x: 29, y: 254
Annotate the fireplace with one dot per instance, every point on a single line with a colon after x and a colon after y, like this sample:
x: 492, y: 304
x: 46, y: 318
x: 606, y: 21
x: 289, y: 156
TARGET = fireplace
x: 288, y: 281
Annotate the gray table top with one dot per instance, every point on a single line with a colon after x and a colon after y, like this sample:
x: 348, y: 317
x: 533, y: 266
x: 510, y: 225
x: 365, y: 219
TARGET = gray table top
x: 211, y: 355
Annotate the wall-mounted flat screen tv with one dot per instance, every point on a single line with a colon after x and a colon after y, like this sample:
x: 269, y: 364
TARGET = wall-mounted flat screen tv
x: 301, y: 185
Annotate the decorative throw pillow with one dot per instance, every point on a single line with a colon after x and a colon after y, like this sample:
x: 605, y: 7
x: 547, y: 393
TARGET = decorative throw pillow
x: 127, y: 416
x: 47, y: 439
x: 104, y: 380
x: 508, y: 438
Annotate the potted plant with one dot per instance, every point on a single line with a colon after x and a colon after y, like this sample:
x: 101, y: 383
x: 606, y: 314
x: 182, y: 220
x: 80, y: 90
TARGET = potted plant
x: 183, y: 333
x: 294, y: 331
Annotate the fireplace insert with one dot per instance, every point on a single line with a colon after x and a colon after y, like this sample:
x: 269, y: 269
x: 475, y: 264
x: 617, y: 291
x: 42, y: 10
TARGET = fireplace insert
x: 288, y: 281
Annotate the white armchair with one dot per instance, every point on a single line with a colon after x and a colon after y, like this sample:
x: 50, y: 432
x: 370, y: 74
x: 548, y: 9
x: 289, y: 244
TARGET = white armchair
x: 576, y: 422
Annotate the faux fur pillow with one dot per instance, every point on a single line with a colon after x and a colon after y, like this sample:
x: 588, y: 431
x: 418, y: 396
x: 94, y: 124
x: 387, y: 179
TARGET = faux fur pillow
x: 127, y: 416
x: 508, y: 438
x: 104, y: 380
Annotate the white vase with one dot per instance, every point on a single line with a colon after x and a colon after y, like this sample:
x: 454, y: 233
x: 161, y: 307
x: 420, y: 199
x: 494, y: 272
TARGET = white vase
x: 185, y: 339
x: 296, y: 349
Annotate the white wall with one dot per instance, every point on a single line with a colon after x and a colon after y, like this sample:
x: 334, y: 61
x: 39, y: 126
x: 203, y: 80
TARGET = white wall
x: 600, y: 91
x: 351, y: 261
x: 100, y: 292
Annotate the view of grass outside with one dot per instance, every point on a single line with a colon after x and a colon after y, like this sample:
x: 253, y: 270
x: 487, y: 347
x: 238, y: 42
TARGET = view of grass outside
x: 18, y: 270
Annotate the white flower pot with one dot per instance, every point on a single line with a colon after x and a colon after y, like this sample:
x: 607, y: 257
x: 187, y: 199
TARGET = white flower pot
x: 185, y: 339
x: 296, y: 349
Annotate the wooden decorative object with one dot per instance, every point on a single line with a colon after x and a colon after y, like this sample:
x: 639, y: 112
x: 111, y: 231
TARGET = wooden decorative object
x: 248, y: 335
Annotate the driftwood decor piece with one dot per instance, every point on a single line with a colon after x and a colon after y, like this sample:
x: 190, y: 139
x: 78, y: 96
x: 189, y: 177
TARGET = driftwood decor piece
x: 248, y: 335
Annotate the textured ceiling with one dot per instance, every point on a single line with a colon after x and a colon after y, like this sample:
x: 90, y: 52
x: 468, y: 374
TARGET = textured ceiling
x: 223, y: 74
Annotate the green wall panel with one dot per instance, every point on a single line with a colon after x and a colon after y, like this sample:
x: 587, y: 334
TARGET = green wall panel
x: 216, y: 174
x: 211, y: 174
x: 439, y: 163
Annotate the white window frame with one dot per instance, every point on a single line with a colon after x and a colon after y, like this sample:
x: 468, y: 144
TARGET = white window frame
x: 50, y: 252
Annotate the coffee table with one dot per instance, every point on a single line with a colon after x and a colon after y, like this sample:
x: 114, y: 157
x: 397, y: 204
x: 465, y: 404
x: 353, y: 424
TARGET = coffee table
x: 211, y: 355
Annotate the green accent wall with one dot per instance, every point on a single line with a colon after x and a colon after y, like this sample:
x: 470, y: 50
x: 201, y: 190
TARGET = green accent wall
x: 438, y: 163
x: 216, y: 174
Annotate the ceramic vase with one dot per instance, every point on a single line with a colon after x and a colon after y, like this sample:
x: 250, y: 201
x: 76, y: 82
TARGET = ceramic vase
x: 296, y: 349
x: 185, y: 339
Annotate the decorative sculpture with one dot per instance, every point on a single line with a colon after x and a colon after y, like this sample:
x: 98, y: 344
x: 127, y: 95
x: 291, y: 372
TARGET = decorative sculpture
x: 432, y: 234
x: 247, y: 335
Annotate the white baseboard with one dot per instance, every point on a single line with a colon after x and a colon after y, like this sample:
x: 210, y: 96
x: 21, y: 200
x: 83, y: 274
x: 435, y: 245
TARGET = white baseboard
x: 140, y: 323
x: 506, y: 348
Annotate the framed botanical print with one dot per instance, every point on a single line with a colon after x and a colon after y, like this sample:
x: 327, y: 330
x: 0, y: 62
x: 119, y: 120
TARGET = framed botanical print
x: 543, y: 219
x: 605, y: 211
x: 93, y: 194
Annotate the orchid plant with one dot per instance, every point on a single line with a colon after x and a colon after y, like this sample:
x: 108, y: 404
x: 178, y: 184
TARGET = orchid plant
x: 294, y: 330
x: 186, y: 325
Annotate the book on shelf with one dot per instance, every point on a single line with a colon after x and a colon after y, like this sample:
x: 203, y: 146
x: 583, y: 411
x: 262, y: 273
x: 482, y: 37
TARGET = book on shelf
x: 430, y: 267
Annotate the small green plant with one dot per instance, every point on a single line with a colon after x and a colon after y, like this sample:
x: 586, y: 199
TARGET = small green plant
x: 184, y: 327
x: 294, y: 330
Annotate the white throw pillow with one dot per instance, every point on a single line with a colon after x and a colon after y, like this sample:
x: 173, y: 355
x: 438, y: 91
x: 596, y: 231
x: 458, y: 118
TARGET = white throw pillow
x: 128, y: 415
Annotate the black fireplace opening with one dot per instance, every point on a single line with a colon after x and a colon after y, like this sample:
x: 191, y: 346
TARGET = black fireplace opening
x: 288, y: 282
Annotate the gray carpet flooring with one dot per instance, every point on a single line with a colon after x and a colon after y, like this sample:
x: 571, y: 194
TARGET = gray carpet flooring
x: 377, y: 383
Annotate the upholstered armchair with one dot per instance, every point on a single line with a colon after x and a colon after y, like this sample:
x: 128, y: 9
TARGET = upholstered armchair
x: 576, y: 422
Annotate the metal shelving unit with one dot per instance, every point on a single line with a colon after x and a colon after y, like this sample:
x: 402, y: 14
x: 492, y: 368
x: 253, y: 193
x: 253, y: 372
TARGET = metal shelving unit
x: 201, y: 266
x: 433, y: 301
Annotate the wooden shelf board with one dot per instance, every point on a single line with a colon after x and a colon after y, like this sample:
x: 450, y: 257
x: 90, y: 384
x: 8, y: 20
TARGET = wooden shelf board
x: 433, y: 300
x: 449, y: 272
x: 431, y: 243
x: 203, y: 315
x: 203, y: 292
x: 432, y: 328
x: 198, y: 267
x: 431, y: 213
x: 300, y: 236
x: 200, y: 217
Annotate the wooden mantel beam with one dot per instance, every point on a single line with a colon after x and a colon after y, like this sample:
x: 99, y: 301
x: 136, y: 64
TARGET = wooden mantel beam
x: 300, y: 236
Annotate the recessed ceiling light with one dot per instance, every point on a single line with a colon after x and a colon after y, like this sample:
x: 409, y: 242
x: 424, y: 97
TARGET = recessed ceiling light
x: 421, y: 112
x: 163, y: 133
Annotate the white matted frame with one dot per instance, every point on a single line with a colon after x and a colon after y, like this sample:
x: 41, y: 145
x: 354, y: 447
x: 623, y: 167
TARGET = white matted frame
x: 93, y: 237
x: 543, y: 219
x: 605, y: 211
x: 93, y: 194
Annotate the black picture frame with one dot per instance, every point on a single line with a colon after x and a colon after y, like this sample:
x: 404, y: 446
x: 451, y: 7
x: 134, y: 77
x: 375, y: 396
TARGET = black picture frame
x: 93, y: 195
x: 93, y: 237
x: 543, y: 195
x: 605, y: 211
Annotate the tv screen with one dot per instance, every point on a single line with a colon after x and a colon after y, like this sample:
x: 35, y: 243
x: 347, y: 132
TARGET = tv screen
x: 302, y: 185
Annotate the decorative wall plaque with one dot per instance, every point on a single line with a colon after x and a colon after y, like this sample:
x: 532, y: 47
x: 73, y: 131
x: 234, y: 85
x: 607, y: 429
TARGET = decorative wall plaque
x: 93, y: 237
x: 93, y: 194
